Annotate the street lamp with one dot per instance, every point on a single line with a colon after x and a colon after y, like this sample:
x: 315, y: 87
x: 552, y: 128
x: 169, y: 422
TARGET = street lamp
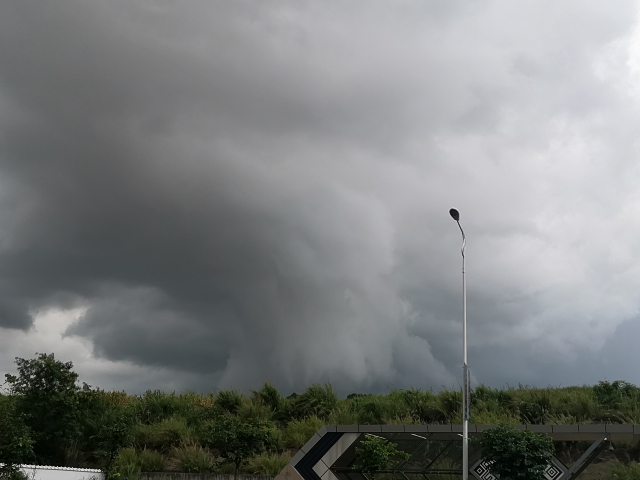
x: 466, y: 397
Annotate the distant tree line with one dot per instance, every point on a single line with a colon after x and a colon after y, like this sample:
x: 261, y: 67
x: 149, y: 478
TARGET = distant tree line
x: 47, y: 417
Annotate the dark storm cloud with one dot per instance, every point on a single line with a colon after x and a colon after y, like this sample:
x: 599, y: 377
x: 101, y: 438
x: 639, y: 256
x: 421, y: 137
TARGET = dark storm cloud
x: 243, y: 192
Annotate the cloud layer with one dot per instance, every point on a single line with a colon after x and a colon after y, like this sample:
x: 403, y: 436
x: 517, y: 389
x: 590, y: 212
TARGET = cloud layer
x: 223, y: 194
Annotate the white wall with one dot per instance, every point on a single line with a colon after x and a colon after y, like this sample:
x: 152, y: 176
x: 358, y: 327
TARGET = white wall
x: 39, y: 472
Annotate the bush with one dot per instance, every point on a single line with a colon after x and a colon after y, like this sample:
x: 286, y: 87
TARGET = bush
x: 127, y: 464
x: 268, y: 464
x: 269, y: 396
x: 12, y: 473
x: 252, y: 410
x: 535, y: 406
x: 163, y: 436
x: 377, y: 409
x: 155, y: 406
x: 317, y: 401
x: 151, y: 461
x: 298, y: 432
x: 516, y: 454
x: 611, y: 394
x: 276, y: 439
x: 229, y: 401
x: 423, y: 406
x: 344, y: 414
x: 577, y: 402
x: 192, y: 458
x: 16, y: 439
x: 378, y: 454
x: 449, y: 404
x: 236, y: 441
x: 620, y: 471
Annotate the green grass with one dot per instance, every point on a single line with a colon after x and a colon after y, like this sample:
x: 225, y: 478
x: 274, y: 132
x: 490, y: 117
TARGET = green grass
x: 298, y: 432
x: 167, y: 431
x: 192, y: 458
x: 620, y: 471
x: 268, y: 464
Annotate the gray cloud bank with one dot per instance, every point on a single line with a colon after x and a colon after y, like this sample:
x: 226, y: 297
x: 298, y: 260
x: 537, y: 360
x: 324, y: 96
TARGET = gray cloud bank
x: 242, y: 191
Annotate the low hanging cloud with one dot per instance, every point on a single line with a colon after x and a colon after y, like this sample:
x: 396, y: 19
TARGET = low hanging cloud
x: 234, y: 193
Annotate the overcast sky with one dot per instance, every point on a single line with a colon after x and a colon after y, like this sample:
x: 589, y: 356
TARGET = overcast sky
x: 206, y: 194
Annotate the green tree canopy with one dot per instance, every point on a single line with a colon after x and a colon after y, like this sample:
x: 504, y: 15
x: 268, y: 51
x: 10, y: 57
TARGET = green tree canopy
x: 515, y: 454
x: 235, y: 440
x: 378, y: 454
x: 16, y: 442
x: 47, y: 396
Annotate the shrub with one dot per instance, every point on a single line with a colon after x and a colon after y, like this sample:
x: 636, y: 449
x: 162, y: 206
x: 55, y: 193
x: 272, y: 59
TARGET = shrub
x: 535, y: 406
x: 423, y: 406
x: 378, y: 454
x: 192, y: 458
x: 236, y: 441
x: 344, y: 414
x: 12, y: 474
x: 577, y: 402
x: 155, y: 406
x: 516, y: 454
x: 317, y: 401
x: 298, y: 432
x: 620, y: 471
x: 370, y: 410
x: 229, y: 400
x: 610, y: 394
x: 268, y: 464
x: 269, y: 396
x: 257, y: 411
x: 163, y: 436
x: 151, y: 461
x: 276, y: 439
x: 127, y: 464
x: 449, y: 404
x: 375, y: 409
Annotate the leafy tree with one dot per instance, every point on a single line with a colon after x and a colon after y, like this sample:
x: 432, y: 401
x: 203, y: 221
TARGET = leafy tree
x: 47, y: 396
x: 236, y: 441
x: 113, y: 432
x: 16, y: 443
x: 378, y: 454
x: 515, y: 454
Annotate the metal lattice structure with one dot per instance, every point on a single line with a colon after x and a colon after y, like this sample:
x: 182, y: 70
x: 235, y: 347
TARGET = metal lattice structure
x: 435, y: 451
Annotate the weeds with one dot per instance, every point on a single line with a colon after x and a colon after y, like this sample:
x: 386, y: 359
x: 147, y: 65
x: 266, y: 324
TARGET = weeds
x: 620, y: 471
x: 298, y: 432
x: 192, y: 458
x: 268, y: 464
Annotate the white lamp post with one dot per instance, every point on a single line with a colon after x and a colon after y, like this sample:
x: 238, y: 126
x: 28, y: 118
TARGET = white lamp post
x: 466, y: 407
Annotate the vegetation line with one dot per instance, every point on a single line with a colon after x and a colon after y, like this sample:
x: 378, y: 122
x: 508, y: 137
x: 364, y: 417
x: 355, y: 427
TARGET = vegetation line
x: 47, y: 418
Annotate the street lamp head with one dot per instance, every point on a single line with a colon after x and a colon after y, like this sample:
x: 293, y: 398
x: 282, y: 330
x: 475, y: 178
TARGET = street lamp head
x: 455, y: 214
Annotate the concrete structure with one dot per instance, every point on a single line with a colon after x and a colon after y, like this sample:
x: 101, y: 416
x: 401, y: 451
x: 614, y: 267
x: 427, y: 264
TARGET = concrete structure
x: 436, y: 449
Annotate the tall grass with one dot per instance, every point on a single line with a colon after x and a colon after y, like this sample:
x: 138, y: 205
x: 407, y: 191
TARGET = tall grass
x: 620, y: 471
x: 192, y: 458
x: 166, y: 430
x: 163, y: 436
x: 317, y: 400
x: 268, y: 464
x: 298, y: 432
